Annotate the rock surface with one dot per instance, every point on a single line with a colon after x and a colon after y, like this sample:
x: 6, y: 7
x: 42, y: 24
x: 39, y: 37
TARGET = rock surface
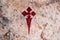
x: 45, y: 24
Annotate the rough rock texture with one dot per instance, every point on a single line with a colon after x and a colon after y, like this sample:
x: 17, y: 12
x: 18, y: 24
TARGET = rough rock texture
x: 45, y: 24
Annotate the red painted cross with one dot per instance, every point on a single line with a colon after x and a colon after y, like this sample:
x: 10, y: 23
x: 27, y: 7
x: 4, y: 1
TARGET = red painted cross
x: 28, y: 19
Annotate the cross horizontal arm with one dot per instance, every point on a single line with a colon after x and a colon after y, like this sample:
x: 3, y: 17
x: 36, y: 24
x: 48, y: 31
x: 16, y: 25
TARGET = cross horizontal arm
x: 33, y: 13
x: 24, y: 13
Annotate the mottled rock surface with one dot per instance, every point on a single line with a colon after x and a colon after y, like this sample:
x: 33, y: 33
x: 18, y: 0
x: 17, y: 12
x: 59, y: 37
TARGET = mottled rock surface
x: 45, y: 24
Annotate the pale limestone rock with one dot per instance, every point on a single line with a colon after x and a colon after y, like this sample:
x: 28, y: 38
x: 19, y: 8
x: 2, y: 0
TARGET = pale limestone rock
x: 45, y: 24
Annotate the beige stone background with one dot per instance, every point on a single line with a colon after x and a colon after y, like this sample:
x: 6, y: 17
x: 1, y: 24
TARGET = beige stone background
x: 45, y: 24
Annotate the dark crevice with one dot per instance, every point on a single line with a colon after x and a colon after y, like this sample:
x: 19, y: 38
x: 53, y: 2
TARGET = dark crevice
x: 42, y: 36
x: 4, y: 22
x: 52, y: 1
x: 7, y: 35
x: 5, y: 19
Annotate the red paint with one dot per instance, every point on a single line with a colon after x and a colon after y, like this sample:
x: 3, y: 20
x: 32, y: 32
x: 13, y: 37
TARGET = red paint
x: 28, y: 19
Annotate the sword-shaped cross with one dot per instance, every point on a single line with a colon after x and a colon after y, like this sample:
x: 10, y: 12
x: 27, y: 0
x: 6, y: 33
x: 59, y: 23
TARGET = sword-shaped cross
x: 29, y: 18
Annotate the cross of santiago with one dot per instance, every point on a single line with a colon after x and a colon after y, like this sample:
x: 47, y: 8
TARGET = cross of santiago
x: 29, y: 18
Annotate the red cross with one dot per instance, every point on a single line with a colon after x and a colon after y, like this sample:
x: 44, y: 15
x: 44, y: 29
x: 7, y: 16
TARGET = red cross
x: 28, y: 19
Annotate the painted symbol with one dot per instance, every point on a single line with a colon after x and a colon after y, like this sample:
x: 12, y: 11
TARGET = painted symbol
x: 29, y: 15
